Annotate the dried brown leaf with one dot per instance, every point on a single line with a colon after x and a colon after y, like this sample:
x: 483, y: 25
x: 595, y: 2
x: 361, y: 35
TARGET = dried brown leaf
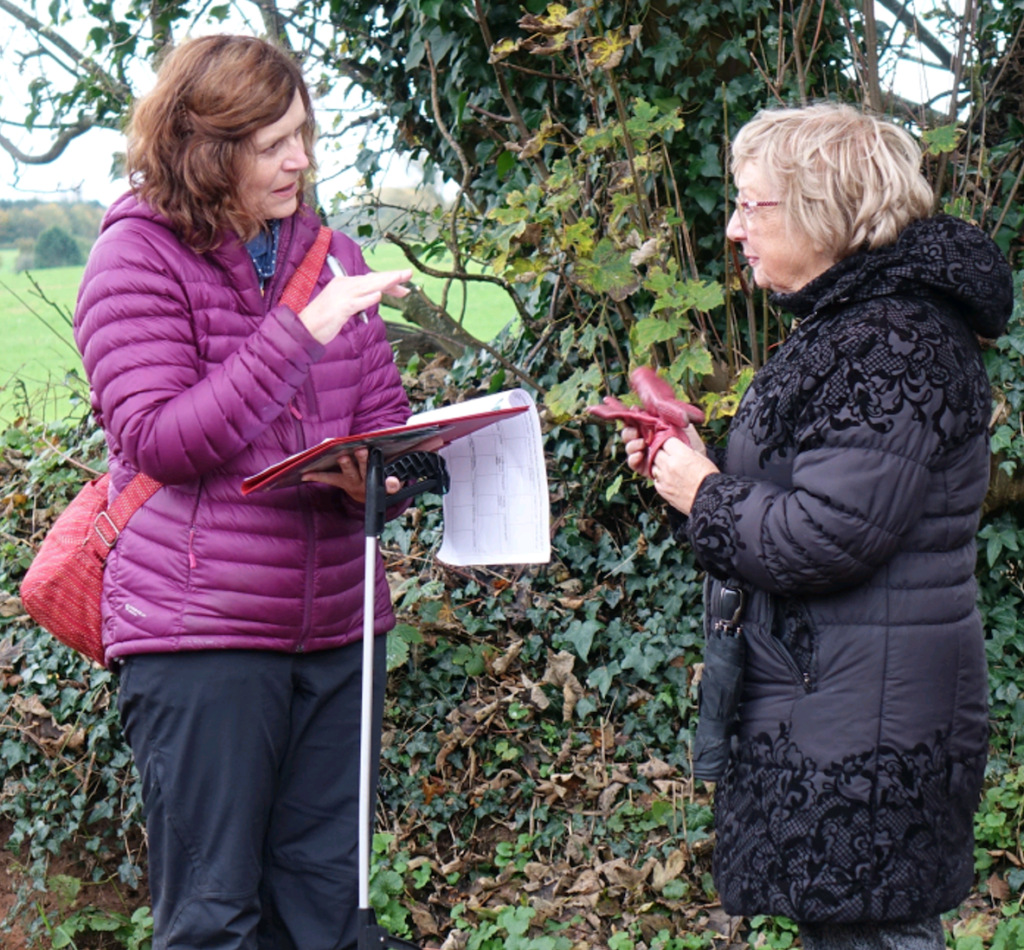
x: 621, y: 873
x: 674, y: 865
x: 606, y: 800
x: 655, y: 768
x: 502, y: 662
x: 589, y: 882
x: 998, y: 888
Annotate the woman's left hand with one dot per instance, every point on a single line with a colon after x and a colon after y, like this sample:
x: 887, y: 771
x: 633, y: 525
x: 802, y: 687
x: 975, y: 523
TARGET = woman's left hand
x: 678, y: 472
x: 351, y: 476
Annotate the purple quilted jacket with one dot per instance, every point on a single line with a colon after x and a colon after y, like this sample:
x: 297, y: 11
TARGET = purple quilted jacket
x: 199, y: 380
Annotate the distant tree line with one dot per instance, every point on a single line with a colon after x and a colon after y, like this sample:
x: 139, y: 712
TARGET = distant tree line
x: 49, y: 233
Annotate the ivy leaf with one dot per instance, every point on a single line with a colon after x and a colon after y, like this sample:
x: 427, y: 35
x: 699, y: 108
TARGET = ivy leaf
x: 692, y: 363
x: 603, y: 678
x: 666, y: 53
x: 999, y: 535
x: 557, y: 19
x: 502, y: 50
x: 638, y: 658
x: 606, y: 51
x: 14, y: 753
x: 645, y: 121
x: 700, y: 295
x: 1002, y: 438
x: 504, y: 164
x: 563, y: 399
x: 607, y: 272
x: 940, y: 140
x: 579, y: 236
x: 651, y: 330
x: 516, y: 920
x: 580, y: 633
x: 597, y: 139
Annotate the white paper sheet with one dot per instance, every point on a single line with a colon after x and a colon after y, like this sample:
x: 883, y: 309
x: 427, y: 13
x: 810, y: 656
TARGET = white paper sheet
x: 497, y: 510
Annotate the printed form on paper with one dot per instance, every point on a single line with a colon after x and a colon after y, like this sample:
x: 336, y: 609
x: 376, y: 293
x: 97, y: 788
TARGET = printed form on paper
x: 497, y: 509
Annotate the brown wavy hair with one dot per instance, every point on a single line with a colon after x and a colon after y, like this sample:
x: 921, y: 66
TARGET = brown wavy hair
x: 190, y: 139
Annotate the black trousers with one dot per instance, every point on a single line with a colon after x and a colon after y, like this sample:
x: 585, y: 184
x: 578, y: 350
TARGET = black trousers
x: 250, y: 774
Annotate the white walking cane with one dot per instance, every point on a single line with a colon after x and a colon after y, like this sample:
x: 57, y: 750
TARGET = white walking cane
x: 422, y: 472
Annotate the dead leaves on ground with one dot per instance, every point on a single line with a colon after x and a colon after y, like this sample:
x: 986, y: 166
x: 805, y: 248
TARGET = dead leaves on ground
x: 580, y: 879
x: 36, y: 723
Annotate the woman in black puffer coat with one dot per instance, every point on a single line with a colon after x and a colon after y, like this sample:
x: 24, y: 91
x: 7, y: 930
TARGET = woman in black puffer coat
x: 845, y: 507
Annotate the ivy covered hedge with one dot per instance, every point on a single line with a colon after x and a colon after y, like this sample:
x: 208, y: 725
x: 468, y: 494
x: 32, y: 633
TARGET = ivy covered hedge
x: 536, y: 789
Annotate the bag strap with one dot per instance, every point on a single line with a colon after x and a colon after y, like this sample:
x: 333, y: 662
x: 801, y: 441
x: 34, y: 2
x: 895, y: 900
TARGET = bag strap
x: 301, y: 284
x: 110, y: 522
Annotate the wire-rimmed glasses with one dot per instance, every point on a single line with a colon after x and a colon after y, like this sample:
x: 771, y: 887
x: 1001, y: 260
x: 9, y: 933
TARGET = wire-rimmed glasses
x: 748, y: 209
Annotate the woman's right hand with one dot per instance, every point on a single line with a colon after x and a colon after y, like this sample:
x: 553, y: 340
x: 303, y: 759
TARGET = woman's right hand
x: 344, y: 297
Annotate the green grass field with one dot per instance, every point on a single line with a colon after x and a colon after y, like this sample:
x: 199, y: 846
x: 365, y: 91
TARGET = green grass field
x: 39, y: 353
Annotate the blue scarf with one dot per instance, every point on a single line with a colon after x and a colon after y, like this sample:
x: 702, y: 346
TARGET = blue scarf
x: 263, y: 251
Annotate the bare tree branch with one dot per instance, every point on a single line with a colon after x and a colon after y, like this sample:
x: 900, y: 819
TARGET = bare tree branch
x: 924, y: 36
x: 66, y: 136
x: 107, y: 82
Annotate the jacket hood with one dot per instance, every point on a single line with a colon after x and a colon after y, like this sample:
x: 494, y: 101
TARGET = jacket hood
x: 942, y: 257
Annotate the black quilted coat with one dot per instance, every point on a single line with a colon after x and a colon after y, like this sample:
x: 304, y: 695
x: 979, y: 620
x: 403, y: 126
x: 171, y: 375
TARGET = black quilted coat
x: 848, y: 502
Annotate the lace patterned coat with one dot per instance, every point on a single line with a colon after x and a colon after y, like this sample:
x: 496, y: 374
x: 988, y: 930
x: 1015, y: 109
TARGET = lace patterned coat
x: 848, y: 501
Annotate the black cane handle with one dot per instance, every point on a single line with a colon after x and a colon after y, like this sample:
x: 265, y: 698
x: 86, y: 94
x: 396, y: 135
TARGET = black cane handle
x: 421, y: 471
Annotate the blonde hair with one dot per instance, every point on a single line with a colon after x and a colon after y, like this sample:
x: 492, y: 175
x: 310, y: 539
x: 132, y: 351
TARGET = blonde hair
x: 847, y: 179
x: 190, y: 139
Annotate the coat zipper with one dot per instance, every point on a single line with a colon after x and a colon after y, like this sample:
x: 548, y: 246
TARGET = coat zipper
x: 307, y: 520
x: 284, y: 248
x: 802, y: 677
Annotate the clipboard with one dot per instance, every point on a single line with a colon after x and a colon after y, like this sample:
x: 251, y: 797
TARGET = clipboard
x: 393, y: 442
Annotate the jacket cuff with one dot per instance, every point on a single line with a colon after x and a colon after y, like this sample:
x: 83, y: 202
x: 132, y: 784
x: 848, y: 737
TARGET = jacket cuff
x: 297, y: 331
x: 709, y: 527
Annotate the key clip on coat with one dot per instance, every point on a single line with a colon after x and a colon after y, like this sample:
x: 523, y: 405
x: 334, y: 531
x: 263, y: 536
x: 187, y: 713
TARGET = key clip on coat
x: 721, y: 683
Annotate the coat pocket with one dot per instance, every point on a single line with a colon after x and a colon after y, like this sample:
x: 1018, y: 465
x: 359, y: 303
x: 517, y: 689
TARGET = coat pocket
x: 796, y: 638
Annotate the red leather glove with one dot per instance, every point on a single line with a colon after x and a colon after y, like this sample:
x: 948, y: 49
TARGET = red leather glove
x: 663, y: 417
x: 659, y: 398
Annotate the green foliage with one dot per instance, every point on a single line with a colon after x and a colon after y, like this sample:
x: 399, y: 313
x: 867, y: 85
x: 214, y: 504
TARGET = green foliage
x: 391, y: 878
x: 69, y: 785
x: 510, y: 931
x: 56, y: 248
x: 1009, y: 935
x: 133, y: 932
x: 1004, y: 361
x: 539, y: 719
x: 774, y: 933
x: 29, y: 219
x: 997, y: 825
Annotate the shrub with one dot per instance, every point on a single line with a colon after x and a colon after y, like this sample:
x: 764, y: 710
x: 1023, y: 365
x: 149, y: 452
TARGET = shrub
x: 56, y: 248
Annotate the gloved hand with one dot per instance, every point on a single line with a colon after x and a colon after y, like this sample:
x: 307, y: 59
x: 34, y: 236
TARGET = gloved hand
x: 663, y: 416
x: 659, y: 398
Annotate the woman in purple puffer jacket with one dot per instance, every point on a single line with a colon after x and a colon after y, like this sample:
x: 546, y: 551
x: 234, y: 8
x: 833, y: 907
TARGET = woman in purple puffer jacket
x: 234, y: 620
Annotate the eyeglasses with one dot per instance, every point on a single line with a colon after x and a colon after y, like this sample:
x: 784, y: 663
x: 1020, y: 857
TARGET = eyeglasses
x: 748, y: 209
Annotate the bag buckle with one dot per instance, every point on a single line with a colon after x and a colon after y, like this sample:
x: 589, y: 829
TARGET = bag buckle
x: 732, y: 601
x: 113, y: 527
